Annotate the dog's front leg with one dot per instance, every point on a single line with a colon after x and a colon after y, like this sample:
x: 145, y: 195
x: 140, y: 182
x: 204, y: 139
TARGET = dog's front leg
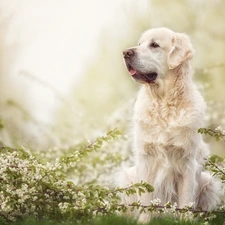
x: 144, y: 173
x: 187, y: 187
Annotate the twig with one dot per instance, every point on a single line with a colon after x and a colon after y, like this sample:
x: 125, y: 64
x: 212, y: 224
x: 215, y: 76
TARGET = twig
x: 213, y: 164
x: 176, y: 209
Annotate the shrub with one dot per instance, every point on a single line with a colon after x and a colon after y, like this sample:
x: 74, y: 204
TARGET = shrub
x: 31, y: 187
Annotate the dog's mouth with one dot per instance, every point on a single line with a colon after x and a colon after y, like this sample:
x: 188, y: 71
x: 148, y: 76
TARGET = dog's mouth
x: 141, y: 77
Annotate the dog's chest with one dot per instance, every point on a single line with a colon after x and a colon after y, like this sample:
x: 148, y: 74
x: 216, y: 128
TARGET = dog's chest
x: 159, y: 122
x: 159, y: 116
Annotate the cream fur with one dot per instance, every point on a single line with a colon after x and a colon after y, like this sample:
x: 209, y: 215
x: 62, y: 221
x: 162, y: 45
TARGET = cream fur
x: 169, y: 152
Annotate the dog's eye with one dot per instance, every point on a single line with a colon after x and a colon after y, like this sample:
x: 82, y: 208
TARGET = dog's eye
x: 154, y: 45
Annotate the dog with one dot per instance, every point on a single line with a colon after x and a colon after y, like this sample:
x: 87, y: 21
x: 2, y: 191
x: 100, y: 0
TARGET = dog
x: 169, y: 153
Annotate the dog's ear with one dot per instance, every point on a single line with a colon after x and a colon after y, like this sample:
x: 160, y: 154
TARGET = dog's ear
x: 181, y: 51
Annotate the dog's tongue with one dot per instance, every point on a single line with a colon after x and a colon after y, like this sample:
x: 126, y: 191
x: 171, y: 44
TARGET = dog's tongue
x: 132, y: 71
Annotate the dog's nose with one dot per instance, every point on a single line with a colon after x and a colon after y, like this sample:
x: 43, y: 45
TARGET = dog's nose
x: 128, y: 53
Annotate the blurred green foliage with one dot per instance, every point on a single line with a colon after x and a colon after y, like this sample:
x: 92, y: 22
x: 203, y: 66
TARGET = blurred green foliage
x: 104, y: 96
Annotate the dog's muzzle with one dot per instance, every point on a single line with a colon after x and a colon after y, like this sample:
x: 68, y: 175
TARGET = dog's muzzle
x: 138, y: 76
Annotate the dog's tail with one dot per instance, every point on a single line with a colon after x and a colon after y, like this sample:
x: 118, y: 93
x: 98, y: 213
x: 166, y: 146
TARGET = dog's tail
x: 208, y: 196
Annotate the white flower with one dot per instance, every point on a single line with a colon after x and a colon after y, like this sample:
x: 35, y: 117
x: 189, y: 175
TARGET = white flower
x: 35, y: 198
x: 155, y: 202
x: 66, y: 197
x: 188, y: 215
x: 190, y: 204
x: 219, y: 128
x: 63, y: 206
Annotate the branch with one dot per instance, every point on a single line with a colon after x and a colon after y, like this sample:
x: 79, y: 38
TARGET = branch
x: 218, y: 133
x: 176, y: 209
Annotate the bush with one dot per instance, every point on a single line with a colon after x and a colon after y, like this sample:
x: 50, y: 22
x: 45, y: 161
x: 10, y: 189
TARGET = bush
x: 31, y: 187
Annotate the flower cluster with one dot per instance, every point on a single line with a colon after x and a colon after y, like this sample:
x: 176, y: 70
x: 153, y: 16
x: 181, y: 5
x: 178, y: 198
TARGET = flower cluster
x: 31, y: 187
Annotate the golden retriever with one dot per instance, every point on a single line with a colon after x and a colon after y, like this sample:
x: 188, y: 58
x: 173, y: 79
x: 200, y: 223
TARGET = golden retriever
x: 169, y: 152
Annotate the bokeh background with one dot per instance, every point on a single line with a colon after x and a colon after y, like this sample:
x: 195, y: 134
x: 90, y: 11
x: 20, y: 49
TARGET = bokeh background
x: 62, y: 77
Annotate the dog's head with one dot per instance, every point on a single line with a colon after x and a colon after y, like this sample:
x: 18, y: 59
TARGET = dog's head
x: 159, y: 50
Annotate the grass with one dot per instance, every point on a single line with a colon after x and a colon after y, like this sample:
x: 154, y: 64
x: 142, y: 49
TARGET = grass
x: 118, y: 220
